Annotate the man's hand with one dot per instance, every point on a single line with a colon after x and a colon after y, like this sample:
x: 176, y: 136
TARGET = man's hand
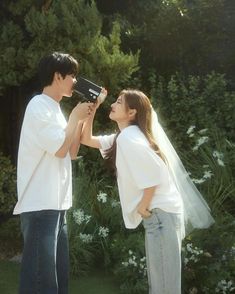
x: 81, y: 111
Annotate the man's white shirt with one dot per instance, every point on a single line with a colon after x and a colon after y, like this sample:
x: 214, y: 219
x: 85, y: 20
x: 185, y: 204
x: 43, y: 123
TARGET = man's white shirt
x: 44, y: 181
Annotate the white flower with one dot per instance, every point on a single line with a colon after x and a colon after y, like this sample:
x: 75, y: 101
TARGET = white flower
x: 207, y: 174
x: 192, y: 254
x: 205, y: 166
x: 125, y: 263
x: 138, y: 263
x: 203, y: 131
x: 186, y: 260
x: 80, y: 217
x: 143, y: 259
x: 190, y: 130
x: 200, y: 142
x: 103, y: 232
x: 102, y: 197
x: 142, y: 263
x: 217, y: 154
x: 198, y: 181
x: 86, y: 238
x: 219, y: 157
x: 189, y: 247
x: 132, y: 262
x: 220, y: 162
x: 224, y: 287
x: 115, y: 203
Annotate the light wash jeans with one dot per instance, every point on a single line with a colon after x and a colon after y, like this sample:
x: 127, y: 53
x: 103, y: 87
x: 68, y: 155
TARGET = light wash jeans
x: 45, y: 261
x: 163, y: 252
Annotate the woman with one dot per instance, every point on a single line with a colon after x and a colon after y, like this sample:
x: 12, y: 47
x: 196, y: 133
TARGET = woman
x: 146, y: 185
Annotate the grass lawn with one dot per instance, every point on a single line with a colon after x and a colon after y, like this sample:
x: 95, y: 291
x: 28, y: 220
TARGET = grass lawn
x: 96, y: 283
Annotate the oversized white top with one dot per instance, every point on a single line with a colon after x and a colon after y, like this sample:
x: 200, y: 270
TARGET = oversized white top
x: 139, y: 167
x: 44, y: 181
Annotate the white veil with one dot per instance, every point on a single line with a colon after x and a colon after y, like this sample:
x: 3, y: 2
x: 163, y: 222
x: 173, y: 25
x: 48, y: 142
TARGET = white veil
x: 196, y: 211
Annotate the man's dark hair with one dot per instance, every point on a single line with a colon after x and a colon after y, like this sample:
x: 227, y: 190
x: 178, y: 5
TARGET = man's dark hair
x: 62, y: 63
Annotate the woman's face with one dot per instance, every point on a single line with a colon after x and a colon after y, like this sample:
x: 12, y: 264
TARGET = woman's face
x: 119, y: 112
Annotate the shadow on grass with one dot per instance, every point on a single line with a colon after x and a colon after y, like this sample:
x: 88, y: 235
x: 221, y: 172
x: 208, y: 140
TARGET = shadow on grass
x: 96, y: 283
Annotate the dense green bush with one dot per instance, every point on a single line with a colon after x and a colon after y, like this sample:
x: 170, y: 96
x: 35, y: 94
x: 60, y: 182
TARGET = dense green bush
x: 9, y: 225
x: 10, y: 236
x: 204, y: 102
x: 208, y: 259
x: 29, y: 30
x: 93, y: 220
x: 211, y: 164
x: 7, y: 185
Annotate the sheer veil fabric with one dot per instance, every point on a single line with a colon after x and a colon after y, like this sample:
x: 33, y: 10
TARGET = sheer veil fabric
x: 196, y: 212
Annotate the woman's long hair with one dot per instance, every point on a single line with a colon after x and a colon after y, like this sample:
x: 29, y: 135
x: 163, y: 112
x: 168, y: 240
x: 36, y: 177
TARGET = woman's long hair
x: 135, y: 99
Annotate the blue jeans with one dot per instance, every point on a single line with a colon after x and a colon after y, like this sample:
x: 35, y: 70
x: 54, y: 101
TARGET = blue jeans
x: 45, y: 260
x: 163, y: 252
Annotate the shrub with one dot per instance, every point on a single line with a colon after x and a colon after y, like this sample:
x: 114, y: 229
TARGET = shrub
x: 93, y: 219
x: 128, y: 256
x: 210, y: 161
x: 201, y: 101
x: 7, y: 185
x: 208, y: 259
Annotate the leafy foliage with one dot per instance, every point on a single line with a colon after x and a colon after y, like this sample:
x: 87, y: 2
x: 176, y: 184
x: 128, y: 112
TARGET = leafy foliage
x: 208, y: 259
x: 193, y: 37
x: 71, y: 26
x: 204, y: 102
x: 7, y: 185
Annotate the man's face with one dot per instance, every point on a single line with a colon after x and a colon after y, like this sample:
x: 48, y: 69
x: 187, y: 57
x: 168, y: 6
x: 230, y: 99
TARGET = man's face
x: 66, y: 85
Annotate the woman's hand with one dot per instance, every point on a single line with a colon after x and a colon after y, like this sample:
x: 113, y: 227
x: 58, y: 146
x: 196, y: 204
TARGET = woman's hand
x: 143, y: 211
x: 101, y: 97
x: 144, y: 204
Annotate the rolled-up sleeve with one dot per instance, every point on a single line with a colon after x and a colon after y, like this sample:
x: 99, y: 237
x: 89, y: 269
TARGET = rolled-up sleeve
x: 106, y: 142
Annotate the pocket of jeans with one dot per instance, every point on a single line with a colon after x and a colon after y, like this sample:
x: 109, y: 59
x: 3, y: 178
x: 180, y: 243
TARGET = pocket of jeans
x: 152, y: 223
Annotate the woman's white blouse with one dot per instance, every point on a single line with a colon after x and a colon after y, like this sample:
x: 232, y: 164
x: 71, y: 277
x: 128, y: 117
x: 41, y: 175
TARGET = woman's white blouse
x: 139, y: 167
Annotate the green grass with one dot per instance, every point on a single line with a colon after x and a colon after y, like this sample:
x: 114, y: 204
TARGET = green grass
x: 96, y: 283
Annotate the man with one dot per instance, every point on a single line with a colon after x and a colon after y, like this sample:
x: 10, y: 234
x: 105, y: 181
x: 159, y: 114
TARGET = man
x: 44, y: 179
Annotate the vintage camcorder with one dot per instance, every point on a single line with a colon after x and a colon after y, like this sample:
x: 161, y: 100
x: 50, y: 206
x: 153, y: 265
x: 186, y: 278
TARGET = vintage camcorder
x: 87, y: 90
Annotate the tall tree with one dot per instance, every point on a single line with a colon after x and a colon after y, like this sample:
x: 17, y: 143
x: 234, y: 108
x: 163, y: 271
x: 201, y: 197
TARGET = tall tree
x: 190, y: 36
x: 31, y: 29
